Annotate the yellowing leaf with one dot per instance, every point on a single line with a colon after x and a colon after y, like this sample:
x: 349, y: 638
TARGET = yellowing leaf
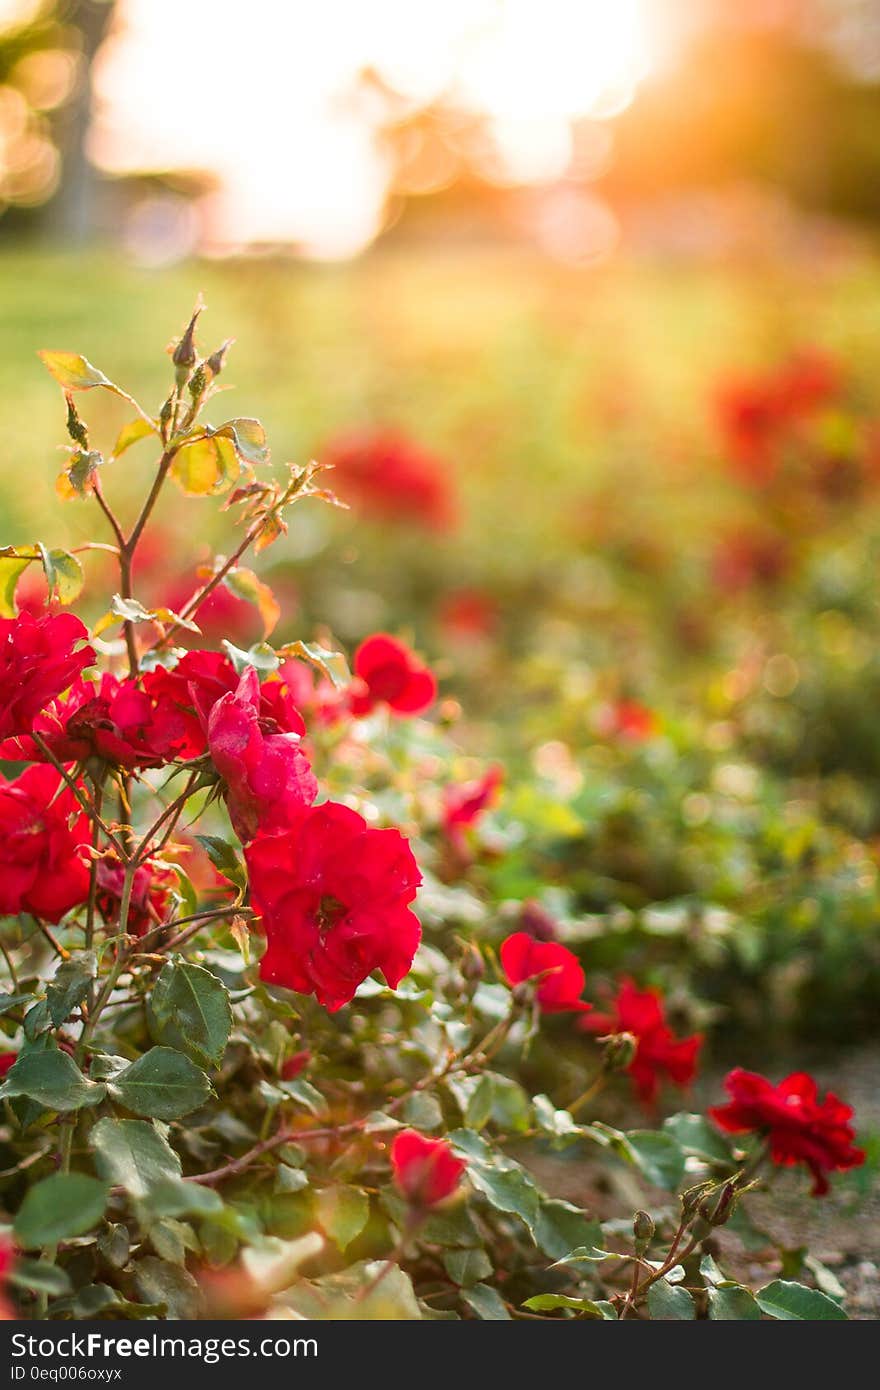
x: 248, y: 438
x: 12, y: 567
x: 73, y: 372
x: 130, y: 610
x: 331, y: 664
x: 273, y: 527
x: 245, y: 584
x: 131, y: 433
x: 206, y: 466
x: 78, y: 478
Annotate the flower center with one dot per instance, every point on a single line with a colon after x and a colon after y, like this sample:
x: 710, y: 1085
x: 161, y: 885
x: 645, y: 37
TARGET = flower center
x: 328, y: 912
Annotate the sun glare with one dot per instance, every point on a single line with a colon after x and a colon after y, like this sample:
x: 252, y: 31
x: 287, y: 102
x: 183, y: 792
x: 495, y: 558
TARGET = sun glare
x: 266, y: 100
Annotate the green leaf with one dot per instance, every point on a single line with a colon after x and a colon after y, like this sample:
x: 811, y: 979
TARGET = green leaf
x: 59, y: 1208
x: 695, y: 1135
x: 53, y: 1079
x: 562, y: 1228
x: 730, y: 1302
x: 73, y: 372
x: 224, y: 858
x: 156, y: 1281
x: 64, y: 574
x: 486, y: 1303
x: 343, y: 1213
x: 189, y: 1010
x: 550, y: 1302
x: 70, y: 984
x: 658, y: 1155
x: 670, y: 1302
x: 503, y: 1182
x: 511, y: 1108
x: 78, y: 478
x: 162, y: 1084
x: 467, y: 1267
x: 422, y: 1111
x: 479, y: 1107
x: 114, y: 1245
x: 39, y: 1277
x: 132, y: 1154
x: 790, y: 1302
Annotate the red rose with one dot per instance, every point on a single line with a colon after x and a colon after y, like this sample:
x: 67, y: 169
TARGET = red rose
x: 561, y: 978
x: 151, y: 890
x: 42, y: 838
x: 390, y: 476
x: 387, y: 672
x: 334, y: 896
x: 109, y: 719
x: 426, y: 1170
x: 268, y: 777
x: 658, y: 1051
x: 464, y: 804
x: 7, y: 1060
x: 185, y: 695
x: 39, y: 657
x: 799, y: 1128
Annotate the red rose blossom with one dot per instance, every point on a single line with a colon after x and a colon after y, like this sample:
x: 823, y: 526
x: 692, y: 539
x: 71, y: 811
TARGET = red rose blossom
x: 390, y: 476
x: 628, y: 720
x: 387, y: 672
x: 658, y: 1051
x: 560, y: 973
x: 799, y: 1128
x: 334, y: 897
x: 268, y: 777
x: 185, y: 695
x: 426, y: 1170
x: 42, y: 841
x: 112, y: 720
x: 39, y: 657
x: 7, y: 1060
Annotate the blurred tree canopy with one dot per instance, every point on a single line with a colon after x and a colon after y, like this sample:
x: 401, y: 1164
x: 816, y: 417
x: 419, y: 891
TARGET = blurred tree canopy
x: 46, y: 59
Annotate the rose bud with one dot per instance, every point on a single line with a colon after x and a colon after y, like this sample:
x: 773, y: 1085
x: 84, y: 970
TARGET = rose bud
x: 425, y: 1170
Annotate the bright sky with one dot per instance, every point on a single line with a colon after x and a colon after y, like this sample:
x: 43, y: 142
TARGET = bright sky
x: 262, y: 94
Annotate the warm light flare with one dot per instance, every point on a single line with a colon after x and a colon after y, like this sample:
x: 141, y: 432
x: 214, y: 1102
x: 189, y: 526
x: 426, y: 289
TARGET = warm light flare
x: 268, y: 100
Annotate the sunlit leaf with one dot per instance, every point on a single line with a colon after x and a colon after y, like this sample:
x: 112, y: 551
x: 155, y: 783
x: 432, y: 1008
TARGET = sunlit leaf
x: 207, y: 466
x: 131, y: 433
x: 245, y: 585
x: 73, y: 372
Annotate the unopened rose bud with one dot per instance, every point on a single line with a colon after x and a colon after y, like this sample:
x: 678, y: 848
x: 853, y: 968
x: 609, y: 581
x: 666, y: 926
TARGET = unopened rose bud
x: 184, y: 355
x: 618, y: 1051
x: 75, y: 426
x: 198, y: 381
x: 718, y: 1210
x: 472, y: 965
x: 643, y: 1227
x: 217, y: 361
x: 537, y: 921
x: 291, y: 1068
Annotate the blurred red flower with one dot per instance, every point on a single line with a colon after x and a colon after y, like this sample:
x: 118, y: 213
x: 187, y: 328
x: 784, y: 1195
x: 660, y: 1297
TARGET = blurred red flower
x: 628, y: 720
x: 387, y: 672
x: 7, y: 1060
x: 268, y: 777
x: 558, y: 970
x: 39, y: 657
x: 426, y: 1170
x: 658, y: 1052
x: 467, y: 615
x: 42, y: 841
x: 295, y: 1064
x: 334, y: 897
x: 388, y: 475
x: 758, y: 414
x: 465, y: 802
x: 799, y: 1128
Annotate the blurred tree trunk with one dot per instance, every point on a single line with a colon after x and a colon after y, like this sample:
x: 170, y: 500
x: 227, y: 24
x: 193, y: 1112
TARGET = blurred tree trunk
x: 68, y: 216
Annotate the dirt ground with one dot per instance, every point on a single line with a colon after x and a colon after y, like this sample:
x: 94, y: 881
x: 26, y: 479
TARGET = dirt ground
x: 841, y: 1230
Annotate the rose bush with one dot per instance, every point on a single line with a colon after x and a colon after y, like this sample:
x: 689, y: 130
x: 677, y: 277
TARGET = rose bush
x: 269, y: 1049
